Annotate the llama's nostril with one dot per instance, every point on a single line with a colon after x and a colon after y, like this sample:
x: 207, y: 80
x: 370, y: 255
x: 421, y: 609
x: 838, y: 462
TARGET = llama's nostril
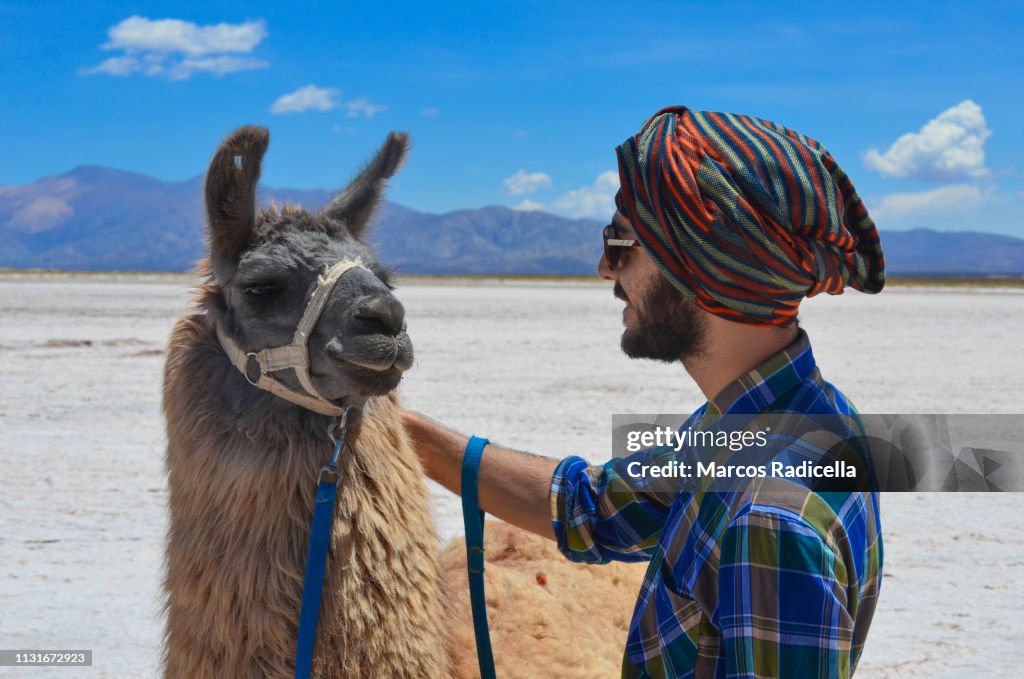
x: 380, y: 316
x: 373, y: 325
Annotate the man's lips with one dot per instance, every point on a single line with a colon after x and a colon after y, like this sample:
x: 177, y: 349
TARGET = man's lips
x: 620, y: 293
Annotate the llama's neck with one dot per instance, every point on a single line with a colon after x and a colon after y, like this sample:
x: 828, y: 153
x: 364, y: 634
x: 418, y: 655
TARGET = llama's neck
x: 241, y: 492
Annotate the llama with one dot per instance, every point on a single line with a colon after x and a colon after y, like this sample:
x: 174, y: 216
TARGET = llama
x: 242, y: 465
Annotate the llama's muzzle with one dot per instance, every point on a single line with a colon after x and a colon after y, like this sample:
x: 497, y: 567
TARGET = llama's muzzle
x: 377, y: 352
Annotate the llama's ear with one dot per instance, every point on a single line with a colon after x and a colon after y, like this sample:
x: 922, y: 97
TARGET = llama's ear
x: 231, y: 192
x: 353, y: 207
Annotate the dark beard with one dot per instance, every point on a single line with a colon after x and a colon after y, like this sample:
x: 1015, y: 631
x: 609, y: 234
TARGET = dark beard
x: 668, y: 327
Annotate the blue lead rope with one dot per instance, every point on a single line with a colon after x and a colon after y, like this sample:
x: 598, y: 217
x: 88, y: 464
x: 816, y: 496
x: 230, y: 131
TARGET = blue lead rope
x: 316, y: 556
x: 473, y: 517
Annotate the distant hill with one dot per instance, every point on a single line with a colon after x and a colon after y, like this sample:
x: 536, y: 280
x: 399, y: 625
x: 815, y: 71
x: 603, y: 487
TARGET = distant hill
x: 952, y: 253
x: 94, y: 218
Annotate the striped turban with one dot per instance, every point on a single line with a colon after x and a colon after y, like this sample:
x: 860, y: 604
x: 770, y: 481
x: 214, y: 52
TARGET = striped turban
x: 745, y: 217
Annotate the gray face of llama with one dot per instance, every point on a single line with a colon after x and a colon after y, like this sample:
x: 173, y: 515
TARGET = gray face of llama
x: 268, y: 263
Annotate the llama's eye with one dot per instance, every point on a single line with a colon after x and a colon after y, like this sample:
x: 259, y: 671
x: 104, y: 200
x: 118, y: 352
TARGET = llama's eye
x: 262, y: 289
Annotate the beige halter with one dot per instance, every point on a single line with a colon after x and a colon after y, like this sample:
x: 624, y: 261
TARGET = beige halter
x: 294, y: 355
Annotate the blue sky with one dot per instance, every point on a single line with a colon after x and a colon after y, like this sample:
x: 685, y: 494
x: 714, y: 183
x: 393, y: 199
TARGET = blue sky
x: 522, y: 103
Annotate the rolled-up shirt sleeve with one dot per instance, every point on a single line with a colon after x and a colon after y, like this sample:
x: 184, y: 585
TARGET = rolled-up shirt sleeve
x: 602, y: 513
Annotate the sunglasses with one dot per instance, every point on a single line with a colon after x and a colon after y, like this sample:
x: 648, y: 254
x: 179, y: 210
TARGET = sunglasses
x: 615, y: 246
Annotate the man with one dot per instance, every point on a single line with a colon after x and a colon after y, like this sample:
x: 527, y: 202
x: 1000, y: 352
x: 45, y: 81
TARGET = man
x: 724, y: 224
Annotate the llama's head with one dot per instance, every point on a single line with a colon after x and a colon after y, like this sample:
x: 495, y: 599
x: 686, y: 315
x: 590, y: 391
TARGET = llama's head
x: 266, y: 264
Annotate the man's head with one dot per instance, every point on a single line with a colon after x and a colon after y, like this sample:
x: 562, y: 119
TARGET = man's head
x: 743, y: 217
x: 660, y: 323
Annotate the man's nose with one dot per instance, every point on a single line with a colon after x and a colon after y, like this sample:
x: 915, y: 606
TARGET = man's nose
x: 605, y: 271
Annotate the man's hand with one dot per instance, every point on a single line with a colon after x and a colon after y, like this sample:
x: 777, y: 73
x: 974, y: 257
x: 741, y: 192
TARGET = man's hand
x: 514, y: 485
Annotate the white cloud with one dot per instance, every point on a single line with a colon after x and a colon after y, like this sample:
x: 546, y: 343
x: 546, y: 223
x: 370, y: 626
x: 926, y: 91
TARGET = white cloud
x: 430, y: 112
x: 120, y: 66
x: 527, y: 205
x: 523, y: 183
x: 313, y: 98
x: 954, y: 198
x: 307, y: 98
x: 139, y: 34
x: 178, y: 49
x: 597, y: 200
x: 362, y: 107
x: 218, y: 65
x: 521, y: 134
x: 950, y: 147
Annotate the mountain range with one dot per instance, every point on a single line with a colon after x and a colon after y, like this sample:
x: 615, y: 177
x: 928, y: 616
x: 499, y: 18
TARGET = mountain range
x: 94, y: 218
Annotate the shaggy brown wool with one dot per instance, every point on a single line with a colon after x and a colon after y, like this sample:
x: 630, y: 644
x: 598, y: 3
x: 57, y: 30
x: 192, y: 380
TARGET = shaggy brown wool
x: 574, y: 625
x: 240, y: 506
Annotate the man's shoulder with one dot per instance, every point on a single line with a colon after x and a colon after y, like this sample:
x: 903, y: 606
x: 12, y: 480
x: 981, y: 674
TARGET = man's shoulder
x: 790, y: 506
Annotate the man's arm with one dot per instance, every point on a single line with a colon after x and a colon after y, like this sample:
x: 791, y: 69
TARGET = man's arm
x: 595, y: 513
x: 513, y: 486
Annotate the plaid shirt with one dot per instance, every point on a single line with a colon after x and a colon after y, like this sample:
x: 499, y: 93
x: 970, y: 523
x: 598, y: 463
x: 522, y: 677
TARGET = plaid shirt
x: 780, y: 583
